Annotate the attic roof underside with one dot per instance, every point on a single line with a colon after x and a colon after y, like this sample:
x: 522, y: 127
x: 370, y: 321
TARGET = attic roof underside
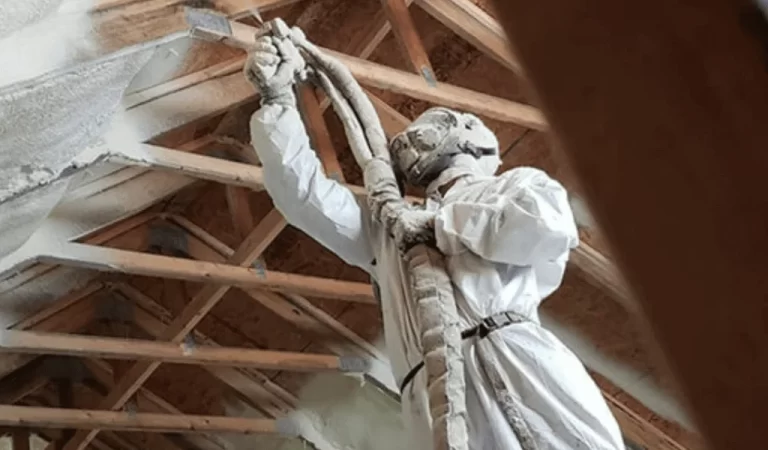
x: 205, y: 218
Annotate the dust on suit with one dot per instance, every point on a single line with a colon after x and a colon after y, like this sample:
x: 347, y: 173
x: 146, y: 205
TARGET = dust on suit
x: 506, y: 241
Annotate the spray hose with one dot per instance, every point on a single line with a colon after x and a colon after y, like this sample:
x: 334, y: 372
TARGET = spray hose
x: 429, y: 284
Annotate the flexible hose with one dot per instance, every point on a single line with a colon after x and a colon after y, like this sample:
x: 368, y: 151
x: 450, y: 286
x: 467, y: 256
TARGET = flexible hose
x: 429, y: 284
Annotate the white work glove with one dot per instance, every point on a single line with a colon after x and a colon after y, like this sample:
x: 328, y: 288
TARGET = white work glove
x: 273, y: 67
x: 414, y: 227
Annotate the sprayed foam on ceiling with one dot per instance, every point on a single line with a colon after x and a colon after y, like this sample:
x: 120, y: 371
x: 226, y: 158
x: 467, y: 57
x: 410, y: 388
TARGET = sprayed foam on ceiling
x: 16, y: 14
x: 44, y: 124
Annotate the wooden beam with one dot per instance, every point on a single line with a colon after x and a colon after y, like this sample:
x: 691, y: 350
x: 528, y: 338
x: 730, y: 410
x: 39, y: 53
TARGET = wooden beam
x: 48, y: 398
x: 122, y: 421
x: 124, y: 23
x: 239, y: 205
x: 639, y: 430
x: 364, y: 46
x: 394, y: 80
x: 680, y: 213
x: 318, y: 132
x: 128, y: 262
x: 391, y: 120
x: 476, y: 26
x: 444, y: 94
x: 69, y: 314
x: 603, y: 274
x: 378, y: 30
x: 29, y: 342
x: 147, y: 402
x: 102, y: 237
x: 253, y: 386
x: 17, y: 388
x: 308, y: 318
x: 187, y: 81
x: 20, y: 439
x: 196, y: 309
x: 410, y: 42
x: 190, y: 164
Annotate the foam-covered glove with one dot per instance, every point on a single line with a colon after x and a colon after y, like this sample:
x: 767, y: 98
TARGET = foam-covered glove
x: 414, y: 227
x: 273, y: 67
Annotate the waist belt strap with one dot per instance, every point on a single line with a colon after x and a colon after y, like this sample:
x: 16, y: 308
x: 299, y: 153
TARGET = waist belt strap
x: 481, y: 330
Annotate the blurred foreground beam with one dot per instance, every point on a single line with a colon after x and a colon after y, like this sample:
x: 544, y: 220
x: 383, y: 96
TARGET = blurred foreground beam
x: 185, y: 353
x: 669, y: 142
x: 28, y: 416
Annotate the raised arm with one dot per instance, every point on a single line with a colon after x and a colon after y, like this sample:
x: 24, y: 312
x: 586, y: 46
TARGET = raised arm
x: 293, y: 176
x: 323, y: 208
x: 522, y: 217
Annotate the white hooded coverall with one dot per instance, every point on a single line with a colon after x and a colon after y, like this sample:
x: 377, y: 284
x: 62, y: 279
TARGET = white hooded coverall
x: 506, y: 241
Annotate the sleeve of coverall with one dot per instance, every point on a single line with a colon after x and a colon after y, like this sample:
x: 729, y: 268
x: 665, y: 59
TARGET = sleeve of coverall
x: 523, y: 218
x: 293, y: 176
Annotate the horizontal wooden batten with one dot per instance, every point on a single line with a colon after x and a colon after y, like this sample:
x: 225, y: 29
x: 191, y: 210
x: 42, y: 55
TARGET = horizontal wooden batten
x: 136, y: 263
x: 27, y: 416
x: 168, y: 352
x: 412, y: 85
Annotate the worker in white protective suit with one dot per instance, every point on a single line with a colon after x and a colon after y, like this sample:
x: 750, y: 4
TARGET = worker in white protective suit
x: 506, y: 240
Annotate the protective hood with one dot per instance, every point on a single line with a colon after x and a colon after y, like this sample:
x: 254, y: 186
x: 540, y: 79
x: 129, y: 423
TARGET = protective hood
x: 432, y: 143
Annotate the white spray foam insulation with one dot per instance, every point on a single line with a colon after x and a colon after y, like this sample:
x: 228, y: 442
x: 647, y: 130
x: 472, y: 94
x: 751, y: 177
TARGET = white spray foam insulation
x: 56, y: 38
x: 16, y: 14
x: 46, y: 122
x: 352, y: 414
x: 21, y: 216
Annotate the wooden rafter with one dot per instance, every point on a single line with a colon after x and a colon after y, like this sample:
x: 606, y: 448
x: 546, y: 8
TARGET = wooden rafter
x: 125, y: 23
x: 402, y: 24
x: 251, y: 384
x: 193, y: 313
x: 35, y: 343
x: 49, y: 398
x: 147, y: 401
x: 302, y: 314
x: 69, y: 314
x: 123, y: 421
x: 238, y: 202
x: 318, y: 132
x: 128, y: 262
x: 639, y: 430
x: 383, y: 77
x: 387, y: 78
x: 20, y: 439
x: 476, y: 26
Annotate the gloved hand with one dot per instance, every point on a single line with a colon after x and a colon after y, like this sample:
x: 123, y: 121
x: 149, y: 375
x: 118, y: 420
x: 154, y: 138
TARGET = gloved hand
x: 273, y: 67
x: 414, y: 227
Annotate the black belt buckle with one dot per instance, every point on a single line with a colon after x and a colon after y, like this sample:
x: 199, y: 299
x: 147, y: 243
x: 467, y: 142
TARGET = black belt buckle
x: 496, y: 321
